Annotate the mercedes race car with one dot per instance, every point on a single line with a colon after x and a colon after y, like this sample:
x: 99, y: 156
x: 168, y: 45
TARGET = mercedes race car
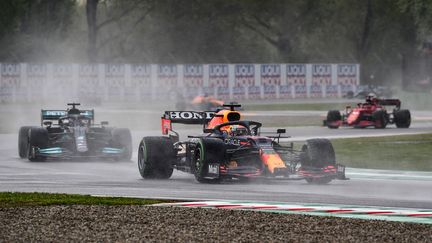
x: 372, y: 113
x: 72, y: 133
x: 231, y: 148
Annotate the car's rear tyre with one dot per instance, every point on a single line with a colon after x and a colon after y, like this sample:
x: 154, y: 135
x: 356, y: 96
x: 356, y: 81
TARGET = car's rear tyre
x: 333, y: 119
x: 402, y: 118
x: 38, y: 138
x: 380, y: 119
x: 155, y: 158
x: 23, y: 141
x: 318, y: 153
x: 207, y: 151
x: 122, y: 138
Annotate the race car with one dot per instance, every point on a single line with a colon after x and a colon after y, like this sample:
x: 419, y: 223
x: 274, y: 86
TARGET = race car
x: 199, y: 102
x: 372, y: 113
x: 231, y: 148
x: 72, y: 133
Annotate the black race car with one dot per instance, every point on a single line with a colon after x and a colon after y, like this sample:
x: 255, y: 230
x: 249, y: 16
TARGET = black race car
x: 72, y: 133
x: 231, y: 148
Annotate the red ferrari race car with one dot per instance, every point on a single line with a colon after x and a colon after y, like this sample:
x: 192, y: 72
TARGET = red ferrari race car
x: 231, y: 148
x: 372, y: 113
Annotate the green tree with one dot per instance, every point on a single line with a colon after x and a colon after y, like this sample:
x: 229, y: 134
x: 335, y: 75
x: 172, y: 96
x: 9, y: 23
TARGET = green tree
x: 29, y: 28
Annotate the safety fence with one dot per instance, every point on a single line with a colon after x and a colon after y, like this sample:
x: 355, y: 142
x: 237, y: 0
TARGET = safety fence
x: 25, y: 82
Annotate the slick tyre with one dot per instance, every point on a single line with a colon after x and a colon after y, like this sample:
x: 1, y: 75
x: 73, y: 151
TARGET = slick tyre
x: 155, y: 158
x: 38, y: 138
x: 23, y: 141
x: 333, y: 119
x: 122, y: 138
x: 380, y: 119
x: 402, y: 118
x: 207, y: 151
x: 318, y: 153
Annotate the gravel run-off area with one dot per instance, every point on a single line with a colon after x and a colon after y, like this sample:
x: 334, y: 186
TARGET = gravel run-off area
x: 77, y: 223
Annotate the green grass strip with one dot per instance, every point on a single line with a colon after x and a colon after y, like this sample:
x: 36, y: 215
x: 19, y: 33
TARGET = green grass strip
x: 19, y: 199
x: 402, y: 152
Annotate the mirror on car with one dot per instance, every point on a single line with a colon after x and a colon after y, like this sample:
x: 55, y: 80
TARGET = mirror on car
x: 281, y: 130
x: 207, y: 130
x: 47, y: 123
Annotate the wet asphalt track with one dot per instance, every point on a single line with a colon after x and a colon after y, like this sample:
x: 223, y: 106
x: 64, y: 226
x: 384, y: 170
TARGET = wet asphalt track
x: 366, y: 187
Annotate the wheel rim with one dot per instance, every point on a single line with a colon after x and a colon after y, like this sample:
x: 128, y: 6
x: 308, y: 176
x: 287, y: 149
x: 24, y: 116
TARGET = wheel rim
x: 29, y: 151
x: 197, y: 161
x: 141, y: 160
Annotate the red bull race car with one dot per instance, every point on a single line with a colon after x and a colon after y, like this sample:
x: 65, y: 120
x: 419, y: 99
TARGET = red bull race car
x: 231, y: 148
x: 72, y: 133
x: 372, y: 113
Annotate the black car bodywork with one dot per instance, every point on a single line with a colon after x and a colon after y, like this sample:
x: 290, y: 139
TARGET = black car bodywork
x: 217, y: 155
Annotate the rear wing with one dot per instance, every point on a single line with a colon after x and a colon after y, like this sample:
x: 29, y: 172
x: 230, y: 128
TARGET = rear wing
x: 184, y: 117
x: 56, y: 114
x: 390, y: 102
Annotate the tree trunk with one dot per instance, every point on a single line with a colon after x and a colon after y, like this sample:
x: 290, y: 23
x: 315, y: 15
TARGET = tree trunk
x: 91, y: 10
x: 363, y: 48
x: 25, y: 19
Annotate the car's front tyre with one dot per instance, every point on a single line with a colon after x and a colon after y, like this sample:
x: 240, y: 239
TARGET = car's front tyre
x: 23, y: 141
x: 207, y: 152
x: 38, y: 138
x: 317, y: 154
x: 334, y: 119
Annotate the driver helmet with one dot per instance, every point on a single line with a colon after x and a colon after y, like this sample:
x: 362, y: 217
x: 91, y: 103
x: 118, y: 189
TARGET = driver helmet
x: 73, y: 111
x: 370, y: 97
x: 237, y: 130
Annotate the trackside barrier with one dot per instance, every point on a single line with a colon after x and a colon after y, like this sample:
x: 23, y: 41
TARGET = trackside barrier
x: 27, y: 82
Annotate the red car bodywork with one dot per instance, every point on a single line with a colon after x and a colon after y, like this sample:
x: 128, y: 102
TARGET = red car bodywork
x: 372, y: 113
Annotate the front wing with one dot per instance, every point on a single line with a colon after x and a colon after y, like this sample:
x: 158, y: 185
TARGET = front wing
x: 221, y: 171
x: 64, y: 153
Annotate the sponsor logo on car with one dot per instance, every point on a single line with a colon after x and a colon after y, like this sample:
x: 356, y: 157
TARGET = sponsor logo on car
x: 190, y: 115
